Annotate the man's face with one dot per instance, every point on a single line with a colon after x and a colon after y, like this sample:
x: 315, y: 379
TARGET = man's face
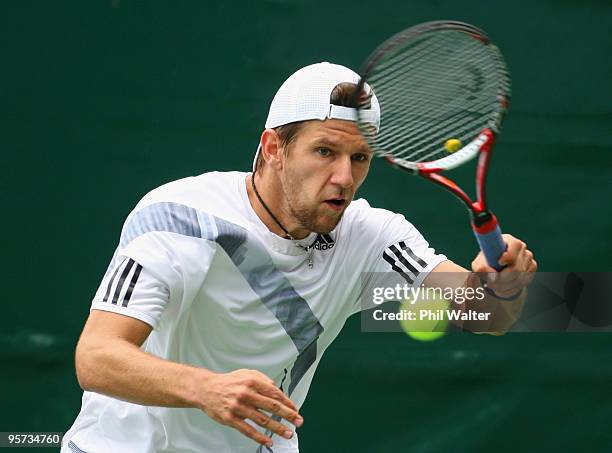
x: 325, y: 165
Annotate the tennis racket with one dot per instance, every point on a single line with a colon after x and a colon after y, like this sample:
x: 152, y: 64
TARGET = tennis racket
x: 443, y: 90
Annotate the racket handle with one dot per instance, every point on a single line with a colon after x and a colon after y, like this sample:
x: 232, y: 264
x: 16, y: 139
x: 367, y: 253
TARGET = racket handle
x: 488, y: 234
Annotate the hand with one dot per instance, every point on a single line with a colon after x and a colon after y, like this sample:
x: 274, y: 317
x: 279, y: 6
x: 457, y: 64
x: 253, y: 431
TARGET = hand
x: 231, y: 398
x: 517, y: 273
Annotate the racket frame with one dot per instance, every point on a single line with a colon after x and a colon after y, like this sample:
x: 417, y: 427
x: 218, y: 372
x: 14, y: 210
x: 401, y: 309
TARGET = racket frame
x: 482, y: 146
x: 484, y: 222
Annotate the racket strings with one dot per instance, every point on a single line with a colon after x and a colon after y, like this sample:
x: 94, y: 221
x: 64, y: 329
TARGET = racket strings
x: 438, y: 86
x: 422, y: 52
x: 462, y: 121
x: 428, y: 115
x: 415, y: 146
x: 409, y: 138
x: 422, y: 89
x: 429, y: 88
x: 396, y: 65
x: 412, y: 49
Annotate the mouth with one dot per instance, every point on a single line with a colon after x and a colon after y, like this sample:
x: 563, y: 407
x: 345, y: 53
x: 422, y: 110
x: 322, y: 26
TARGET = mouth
x: 336, y: 204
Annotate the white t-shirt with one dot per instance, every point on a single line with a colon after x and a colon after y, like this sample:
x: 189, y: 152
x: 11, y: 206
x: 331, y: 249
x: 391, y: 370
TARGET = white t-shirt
x: 222, y: 292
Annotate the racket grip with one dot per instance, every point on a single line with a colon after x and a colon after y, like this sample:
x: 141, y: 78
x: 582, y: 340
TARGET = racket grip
x: 488, y: 234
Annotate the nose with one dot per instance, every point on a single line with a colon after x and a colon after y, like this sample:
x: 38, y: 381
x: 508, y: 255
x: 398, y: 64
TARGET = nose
x: 343, y: 172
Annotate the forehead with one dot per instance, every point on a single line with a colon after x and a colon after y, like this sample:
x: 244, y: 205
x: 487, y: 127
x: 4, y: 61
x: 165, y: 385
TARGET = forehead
x: 340, y: 133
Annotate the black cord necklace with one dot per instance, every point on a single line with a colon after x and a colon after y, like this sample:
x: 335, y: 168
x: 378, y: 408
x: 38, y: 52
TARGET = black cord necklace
x: 294, y: 240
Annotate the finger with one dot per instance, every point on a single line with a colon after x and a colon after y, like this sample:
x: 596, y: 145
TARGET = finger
x: 484, y: 268
x: 277, y: 408
x: 264, y: 377
x: 250, y: 432
x: 532, y: 265
x: 512, y: 242
x: 508, y: 258
x: 271, y: 391
x: 496, y: 278
x: 528, y: 264
x: 480, y: 265
x: 267, y: 422
x: 261, y: 383
x: 515, y: 246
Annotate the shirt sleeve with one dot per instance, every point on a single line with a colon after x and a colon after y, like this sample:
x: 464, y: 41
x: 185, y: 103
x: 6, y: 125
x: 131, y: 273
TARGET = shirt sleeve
x: 164, y: 254
x: 407, y: 253
x: 401, y: 255
x: 131, y: 290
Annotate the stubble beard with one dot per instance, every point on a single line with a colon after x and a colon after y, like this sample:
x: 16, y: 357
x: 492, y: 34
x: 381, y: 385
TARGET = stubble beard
x: 308, y: 217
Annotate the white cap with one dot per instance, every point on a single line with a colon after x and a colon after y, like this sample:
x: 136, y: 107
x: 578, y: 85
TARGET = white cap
x: 306, y: 93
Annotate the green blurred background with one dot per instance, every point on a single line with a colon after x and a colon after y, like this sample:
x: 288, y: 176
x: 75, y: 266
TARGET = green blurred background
x: 103, y: 101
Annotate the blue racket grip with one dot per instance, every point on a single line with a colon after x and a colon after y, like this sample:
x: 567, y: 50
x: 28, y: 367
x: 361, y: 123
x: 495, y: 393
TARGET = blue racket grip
x: 488, y: 235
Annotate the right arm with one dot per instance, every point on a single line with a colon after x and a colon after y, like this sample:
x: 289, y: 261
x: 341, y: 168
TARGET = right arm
x: 109, y: 361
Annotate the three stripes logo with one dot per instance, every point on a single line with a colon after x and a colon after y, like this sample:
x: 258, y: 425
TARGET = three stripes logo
x: 122, y: 283
x: 403, y: 261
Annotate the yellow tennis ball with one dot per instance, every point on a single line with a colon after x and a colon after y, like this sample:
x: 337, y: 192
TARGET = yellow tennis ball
x: 429, y: 319
x: 452, y: 145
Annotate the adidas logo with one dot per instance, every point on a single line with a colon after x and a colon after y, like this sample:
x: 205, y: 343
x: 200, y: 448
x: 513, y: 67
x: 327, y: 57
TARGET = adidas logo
x: 323, y: 242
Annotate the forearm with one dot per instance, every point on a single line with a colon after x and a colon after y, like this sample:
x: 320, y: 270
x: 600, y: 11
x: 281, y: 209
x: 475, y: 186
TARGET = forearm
x: 120, y: 369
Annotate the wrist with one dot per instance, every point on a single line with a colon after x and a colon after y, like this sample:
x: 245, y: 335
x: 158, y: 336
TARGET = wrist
x: 492, y: 292
x: 197, y: 379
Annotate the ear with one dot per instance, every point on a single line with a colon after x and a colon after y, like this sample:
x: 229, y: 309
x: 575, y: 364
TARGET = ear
x: 271, y: 150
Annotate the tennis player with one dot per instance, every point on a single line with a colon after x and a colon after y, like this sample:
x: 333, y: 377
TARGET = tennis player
x: 226, y: 288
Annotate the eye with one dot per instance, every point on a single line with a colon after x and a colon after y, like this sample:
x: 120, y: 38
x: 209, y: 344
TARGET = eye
x: 324, y: 152
x: 360, y: 157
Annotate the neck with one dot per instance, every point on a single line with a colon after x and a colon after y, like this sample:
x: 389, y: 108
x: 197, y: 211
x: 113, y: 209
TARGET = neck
x: 272, y: 196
